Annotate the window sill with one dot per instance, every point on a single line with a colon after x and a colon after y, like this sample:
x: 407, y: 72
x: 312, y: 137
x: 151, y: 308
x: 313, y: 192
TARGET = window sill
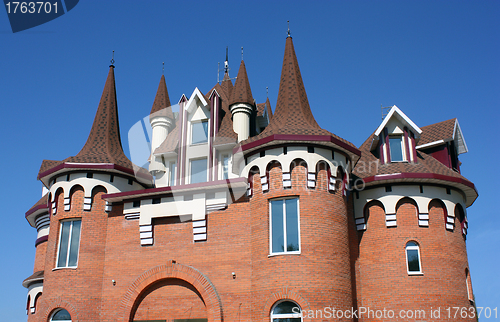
x: 199, y: 143
x: 415, y: 274
x: 60, y: 268
x: 284, y: 253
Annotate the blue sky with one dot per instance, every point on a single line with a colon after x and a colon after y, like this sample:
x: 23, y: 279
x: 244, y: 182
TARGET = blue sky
x: 435, y: 60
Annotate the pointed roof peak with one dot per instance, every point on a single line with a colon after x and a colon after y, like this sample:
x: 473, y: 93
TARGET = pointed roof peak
x: 241, y: 92
x: 161, y: 104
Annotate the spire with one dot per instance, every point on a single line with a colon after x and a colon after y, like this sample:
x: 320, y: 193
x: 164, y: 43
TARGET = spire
x: 104, y: 144
x: 292, y: 108
x: 241, y: 92
x: 161, y: 104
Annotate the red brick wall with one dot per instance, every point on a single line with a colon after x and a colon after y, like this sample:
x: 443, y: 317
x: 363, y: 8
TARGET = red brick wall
x: 381, y: 272
x: 40, y: 254
x: 170, y: 299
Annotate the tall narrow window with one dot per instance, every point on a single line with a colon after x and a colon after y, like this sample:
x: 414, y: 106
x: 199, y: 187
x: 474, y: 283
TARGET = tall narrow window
x: 225, y: 166
x: 413, y: 258
x: 284, y: 222
x: 69, y: 243
x: 286, y: 311
x: 199, y: 132
x: 396, y: 146
x: 172, y: 173
x: 470, y: 295
x: 199, y: 170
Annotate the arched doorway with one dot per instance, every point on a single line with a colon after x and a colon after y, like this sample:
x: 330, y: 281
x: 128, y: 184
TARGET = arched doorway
x: 170, y: 300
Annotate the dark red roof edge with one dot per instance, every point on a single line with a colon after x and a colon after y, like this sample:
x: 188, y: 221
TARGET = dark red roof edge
x: 41, y: 240
x: 169, y: 189
x: 293, y: 137
x: 32, y: 210
x: 409, y: 175
x: 107, y: 166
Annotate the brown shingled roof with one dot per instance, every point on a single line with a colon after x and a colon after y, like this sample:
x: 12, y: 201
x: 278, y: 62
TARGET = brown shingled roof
x: 35, y: 277
x: 103, y: 145
x: 241, y: 92
x: 265, y: 106
x: 227, y: 85
x: 161, y: 104
x: 292, y: 115
x: 438, y: 131
x: 369, y: 166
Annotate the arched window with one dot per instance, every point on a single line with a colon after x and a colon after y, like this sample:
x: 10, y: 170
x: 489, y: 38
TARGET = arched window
x: 61, y: 315
x: 286, y: 311
x: 413, y: 258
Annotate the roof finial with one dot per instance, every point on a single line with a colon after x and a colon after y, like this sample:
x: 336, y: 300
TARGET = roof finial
x: 226, y: 63
x: 242, y: 53
x: 267, y: 92
x: 288, y: 33
x: 113, y: 60
x: 163, y: 69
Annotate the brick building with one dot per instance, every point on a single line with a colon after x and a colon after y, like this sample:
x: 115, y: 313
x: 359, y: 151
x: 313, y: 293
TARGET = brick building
x: 246, y: 215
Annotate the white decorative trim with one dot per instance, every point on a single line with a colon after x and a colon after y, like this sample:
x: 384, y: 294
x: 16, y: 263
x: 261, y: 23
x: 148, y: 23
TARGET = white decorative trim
x: 360, y: 223
x: 67, y: 203
x: 199, y: 230
x: 87, y: 203
x: 450, y: 226
x: 331, y: 184
x: 146, y: 234
x: 132, y: 216
x: 265, y: 184
x: 390, y: 221
x: 311, y: 180
x: 423, y: 220
x: 108, y: 206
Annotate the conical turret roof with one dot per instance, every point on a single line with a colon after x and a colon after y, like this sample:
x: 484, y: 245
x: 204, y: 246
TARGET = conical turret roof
x: 227, y: 85
x: 241, y: 92
x: 161, y: 104
x: 292, y: 118
x: 103, y: 147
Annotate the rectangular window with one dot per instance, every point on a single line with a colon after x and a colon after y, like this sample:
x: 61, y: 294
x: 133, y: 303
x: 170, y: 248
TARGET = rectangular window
x: 199, y: 132
x: 172, y: 173
x: 284, y: 222
x: 199, y: 170
x: 225, y: 166
x: 396, y: 146
x: 69, y: 243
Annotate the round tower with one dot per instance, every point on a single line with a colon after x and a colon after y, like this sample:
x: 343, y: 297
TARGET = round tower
x: 410, y: 252
x: 299, y: 219
x: 77, y: 216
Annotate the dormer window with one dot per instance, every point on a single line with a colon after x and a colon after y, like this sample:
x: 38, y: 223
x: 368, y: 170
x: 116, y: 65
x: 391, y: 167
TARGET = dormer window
x: 396, y: 148
x: 199, y: 133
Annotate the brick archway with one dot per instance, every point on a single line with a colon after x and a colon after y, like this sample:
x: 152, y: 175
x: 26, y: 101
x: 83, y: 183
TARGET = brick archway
x: 173, y: 270
x: 59, y: 303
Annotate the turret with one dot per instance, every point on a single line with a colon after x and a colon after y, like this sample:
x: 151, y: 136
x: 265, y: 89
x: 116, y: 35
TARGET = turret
x: 161, y: 119
x: 242, y: 104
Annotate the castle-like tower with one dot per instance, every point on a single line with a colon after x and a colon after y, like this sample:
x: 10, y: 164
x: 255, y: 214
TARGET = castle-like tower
x: 246, y: 215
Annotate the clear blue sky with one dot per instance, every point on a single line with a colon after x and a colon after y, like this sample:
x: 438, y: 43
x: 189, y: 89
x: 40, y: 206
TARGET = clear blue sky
x: 433, y: 59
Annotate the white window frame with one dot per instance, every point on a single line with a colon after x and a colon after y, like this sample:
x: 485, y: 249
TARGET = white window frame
x: 69, y: 243
x: 55, y: 312
x: 191, y: 169
x: 404, y: 157
x: 172, y: 174
x: 192, y: 129
x: 285, y: 252
x: 417, y: 248
x: 222, y: 165
x: 286, y: 315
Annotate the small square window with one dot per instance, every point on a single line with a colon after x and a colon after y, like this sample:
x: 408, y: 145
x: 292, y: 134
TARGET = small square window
x: 199, y: 133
